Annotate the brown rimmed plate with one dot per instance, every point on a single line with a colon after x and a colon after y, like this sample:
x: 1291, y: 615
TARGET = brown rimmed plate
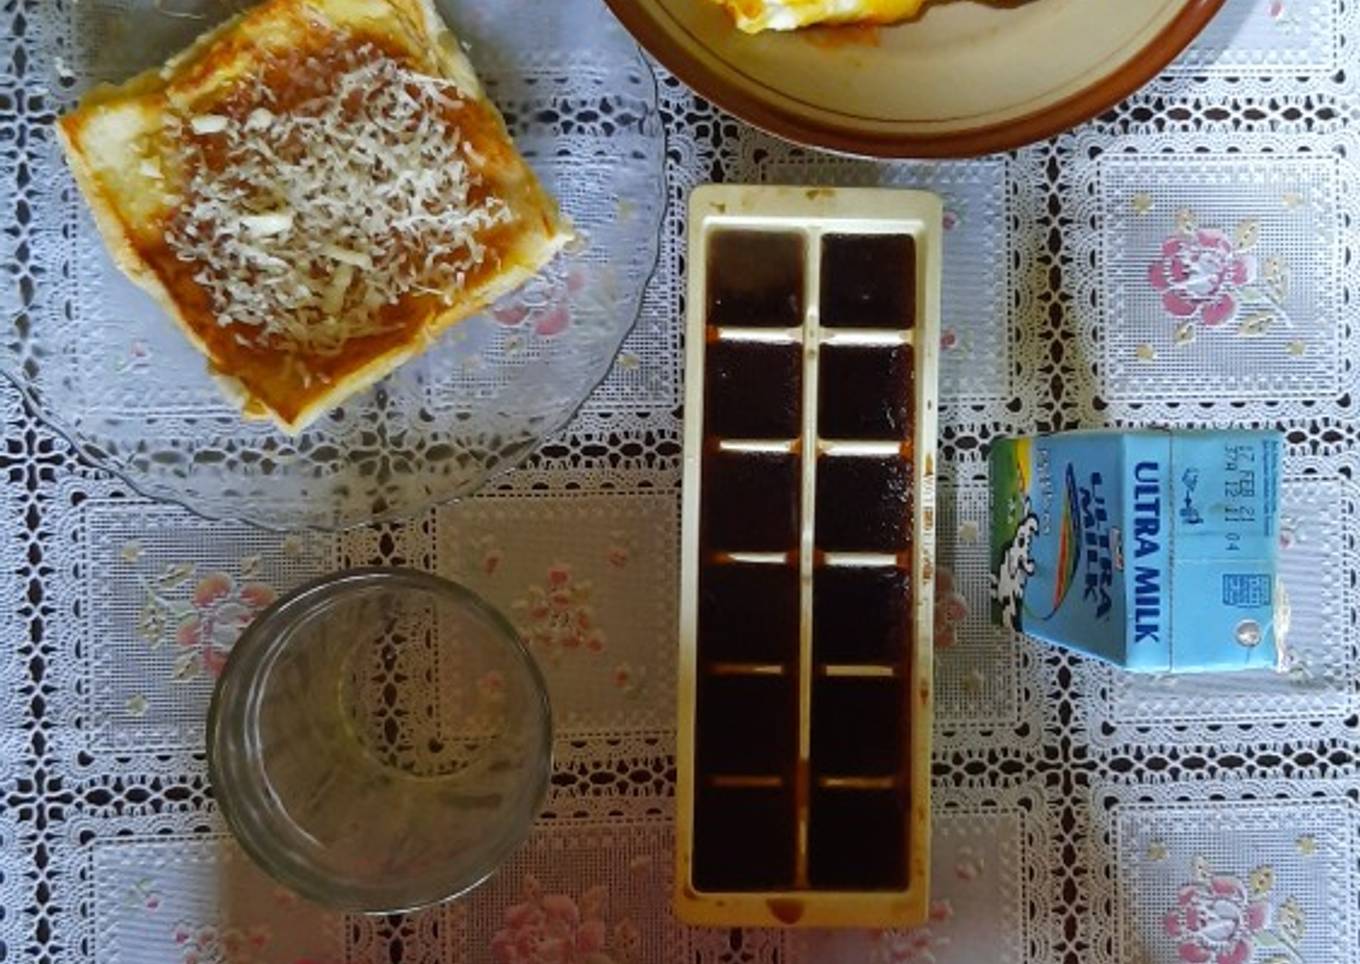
x: 964, y: 77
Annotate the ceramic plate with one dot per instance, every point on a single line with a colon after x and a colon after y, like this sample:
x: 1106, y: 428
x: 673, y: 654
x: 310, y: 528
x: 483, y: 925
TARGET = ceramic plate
x: 964, y: 77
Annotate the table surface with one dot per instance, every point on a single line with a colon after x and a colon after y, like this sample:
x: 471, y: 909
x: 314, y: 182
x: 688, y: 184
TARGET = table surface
x: 1081, y: 814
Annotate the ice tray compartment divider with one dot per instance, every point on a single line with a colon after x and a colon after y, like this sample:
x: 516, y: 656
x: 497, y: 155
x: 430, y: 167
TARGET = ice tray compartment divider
x: 759, y: 336
x: 753, y: 558
x: 802, y: 787
x: 757, y: 446
x: 732, y: 668
x: 858, y: 671
x: 857, y: 783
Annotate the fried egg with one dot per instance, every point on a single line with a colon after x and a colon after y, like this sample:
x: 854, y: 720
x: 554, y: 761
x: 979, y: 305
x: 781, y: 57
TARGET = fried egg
x: 753, y: 16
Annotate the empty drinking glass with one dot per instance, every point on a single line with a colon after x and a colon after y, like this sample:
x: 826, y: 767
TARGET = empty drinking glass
x: 380, y: 740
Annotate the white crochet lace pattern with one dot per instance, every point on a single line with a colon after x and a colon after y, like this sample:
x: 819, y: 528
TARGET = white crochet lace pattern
x: 1079, y: 811
x: 1259, y: 49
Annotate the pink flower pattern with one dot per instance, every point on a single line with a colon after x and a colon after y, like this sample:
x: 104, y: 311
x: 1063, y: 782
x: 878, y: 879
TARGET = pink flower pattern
x: 970, y: 865
x: 220, y: 611
x: 1216, y: 920
x: 951, y: 609
x: 212, y: 944
x: 627, y: 679
x: 553, y: 929
x: 491, y: 686
x: 545, y: 306
x: 918, y: 945
x: 1200, y: 274
x: 557, y: 617
x: 1219, y: 919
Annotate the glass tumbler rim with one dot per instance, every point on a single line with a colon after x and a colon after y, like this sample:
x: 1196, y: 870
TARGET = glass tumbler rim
x: 264, y: 638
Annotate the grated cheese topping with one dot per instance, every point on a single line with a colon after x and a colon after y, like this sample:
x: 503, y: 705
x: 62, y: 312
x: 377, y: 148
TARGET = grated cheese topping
x: 305, y: 223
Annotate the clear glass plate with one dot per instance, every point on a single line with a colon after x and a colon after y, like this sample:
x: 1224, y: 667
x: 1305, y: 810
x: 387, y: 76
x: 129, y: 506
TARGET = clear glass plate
x: 105, y: 367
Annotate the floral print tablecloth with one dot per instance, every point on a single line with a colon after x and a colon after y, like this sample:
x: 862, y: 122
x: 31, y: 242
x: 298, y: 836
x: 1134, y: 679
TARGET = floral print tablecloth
x: 1189, y: 258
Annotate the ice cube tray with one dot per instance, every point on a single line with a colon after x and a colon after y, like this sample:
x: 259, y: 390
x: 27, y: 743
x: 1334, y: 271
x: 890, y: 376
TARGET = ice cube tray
x: 809, y: 510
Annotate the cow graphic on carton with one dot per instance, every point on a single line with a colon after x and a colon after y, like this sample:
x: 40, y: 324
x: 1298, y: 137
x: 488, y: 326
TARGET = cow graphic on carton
x: 1015, y: 566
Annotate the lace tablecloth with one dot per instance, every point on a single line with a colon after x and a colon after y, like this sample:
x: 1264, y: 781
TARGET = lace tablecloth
x: 1081, y: 814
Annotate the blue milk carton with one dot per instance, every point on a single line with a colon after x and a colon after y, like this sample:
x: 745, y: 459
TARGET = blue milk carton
x: 1155, y: 550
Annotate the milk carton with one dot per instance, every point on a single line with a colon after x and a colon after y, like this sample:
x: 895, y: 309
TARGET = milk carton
x: 1155, y: 550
